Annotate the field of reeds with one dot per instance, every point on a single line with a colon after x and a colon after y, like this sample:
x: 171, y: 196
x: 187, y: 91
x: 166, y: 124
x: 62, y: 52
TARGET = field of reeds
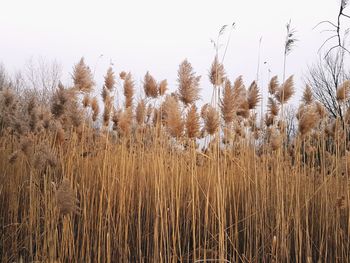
x: 156, y: 178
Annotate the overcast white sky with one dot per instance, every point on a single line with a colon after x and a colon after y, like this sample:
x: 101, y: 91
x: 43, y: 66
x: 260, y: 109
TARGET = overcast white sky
x: 156, y: 35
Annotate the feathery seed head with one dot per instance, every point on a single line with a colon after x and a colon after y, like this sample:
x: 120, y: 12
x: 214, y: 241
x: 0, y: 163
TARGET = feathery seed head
x: 217, y: 73
x: 343, y: 91
x: 150, y: 86
x: 110, y: 79
x: 95, y: 108
x: 273, y: 85
x: 286, y: 91
x: 82, y: 77
x: 140, y: 112
x: 128, y: 90
x: 162, y: 87
x: 307, y: 95
x: 122, y: 75
x: 188, y: 83
x: 253, y: 95
x: 308, y: 120
x: 192, y: 123
x: 211, y: 120
x: 227, y: 103
x: 86, y: 101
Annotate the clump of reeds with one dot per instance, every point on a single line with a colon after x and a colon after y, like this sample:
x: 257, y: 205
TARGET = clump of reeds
x: 147, y: 192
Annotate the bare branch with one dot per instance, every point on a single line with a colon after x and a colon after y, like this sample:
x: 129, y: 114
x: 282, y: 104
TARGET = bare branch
x: 326, y: 42
x: 337, y: 29
x: 322, y: 22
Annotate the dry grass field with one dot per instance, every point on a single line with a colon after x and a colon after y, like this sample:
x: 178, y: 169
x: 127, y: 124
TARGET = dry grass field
x: 156, y: 179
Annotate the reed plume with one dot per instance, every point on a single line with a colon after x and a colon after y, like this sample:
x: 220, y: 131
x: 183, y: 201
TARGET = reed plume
x: 211, y: 120
x: 162, y: 87
x: 217, y: 73
x: 105, y: 94
x: 192, y: 123
x: 227, y: 103
x: 110, y: 79
x: 321, y: 110
x: 285, y: 91
x: 273, y: 107
x: 307, y: 95
x: 275, y: 140
x: 243, y: 108
x: 82, y: 77
x: 128, y: 90
x: 204, y: 110
x: 240, y: 98
x: 273, y: 85
x: 269, y: 120
x: 140, y: 112
x: 149, y: 112
x: 124, y: 122
x: 86, y: 101
x: 122, y: 75
x: 59, y: 101
x: 116, y: 118
x: 253, y: 95
x: 107, y: 111
x: 343, y: 91
x: 188, y: 83
x: 173, y: 118
x: 74, y: 114
x: 150, y: 86
x: 95, y: 108
x: 308, y: 120
x: 32, y: 111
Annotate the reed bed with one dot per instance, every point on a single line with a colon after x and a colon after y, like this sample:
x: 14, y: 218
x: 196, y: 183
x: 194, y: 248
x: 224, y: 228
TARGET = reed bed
x: 158, y: 180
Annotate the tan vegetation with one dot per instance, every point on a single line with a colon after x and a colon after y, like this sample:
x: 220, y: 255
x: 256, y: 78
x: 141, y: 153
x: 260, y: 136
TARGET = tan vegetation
x: 158, y: 180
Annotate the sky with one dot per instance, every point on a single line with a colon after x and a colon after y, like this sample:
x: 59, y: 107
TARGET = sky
x: 157, y: 35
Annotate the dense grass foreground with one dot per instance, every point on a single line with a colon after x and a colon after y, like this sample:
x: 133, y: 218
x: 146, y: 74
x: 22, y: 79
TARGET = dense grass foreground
x: 158, y: 205
x: 75, y: 189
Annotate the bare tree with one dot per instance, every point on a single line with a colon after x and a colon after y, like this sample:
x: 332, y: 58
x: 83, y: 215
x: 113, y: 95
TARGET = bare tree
x: 336, y: 29
x: 42, y: 77
x: 325, y: 76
